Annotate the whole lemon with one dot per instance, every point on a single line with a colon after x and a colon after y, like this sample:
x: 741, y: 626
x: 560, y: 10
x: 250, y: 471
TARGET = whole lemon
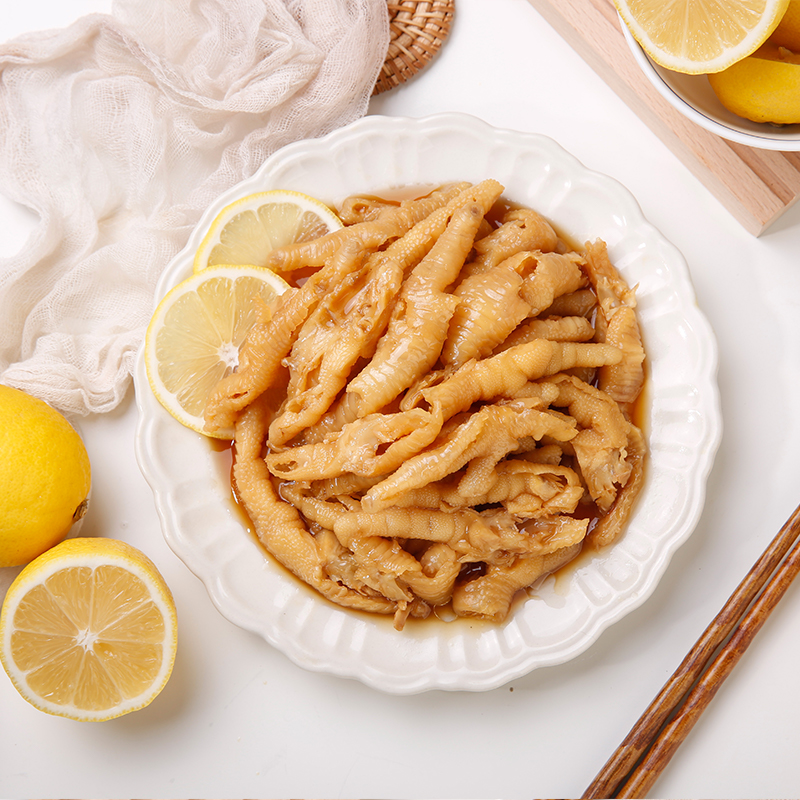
x: 45, y: 477
x: 764, y: 87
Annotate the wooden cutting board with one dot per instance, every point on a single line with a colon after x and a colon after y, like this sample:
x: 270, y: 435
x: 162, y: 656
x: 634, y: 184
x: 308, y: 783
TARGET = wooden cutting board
x: 756, y: 186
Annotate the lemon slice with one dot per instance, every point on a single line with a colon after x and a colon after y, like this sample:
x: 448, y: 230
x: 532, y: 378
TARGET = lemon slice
x: 194, y: 335
x: 700, y: 36
x: 247, y: 230
x: 88, y: 630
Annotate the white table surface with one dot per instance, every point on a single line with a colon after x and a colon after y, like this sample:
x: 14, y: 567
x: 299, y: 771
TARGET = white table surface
x: 238, y: 719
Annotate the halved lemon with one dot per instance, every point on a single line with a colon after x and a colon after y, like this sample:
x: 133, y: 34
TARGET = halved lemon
x: 700, y: 36
x: 247, y: 230
x: 195, y: 333
x: 88, y: 630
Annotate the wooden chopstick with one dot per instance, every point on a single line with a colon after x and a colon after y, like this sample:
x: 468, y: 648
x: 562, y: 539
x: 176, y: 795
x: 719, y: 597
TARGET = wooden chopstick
x: 647, y: 749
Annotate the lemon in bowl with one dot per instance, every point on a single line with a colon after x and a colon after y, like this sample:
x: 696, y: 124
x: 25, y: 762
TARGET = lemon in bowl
x: 763, y: 87
x: 787, y: 32
x: 685, y: 83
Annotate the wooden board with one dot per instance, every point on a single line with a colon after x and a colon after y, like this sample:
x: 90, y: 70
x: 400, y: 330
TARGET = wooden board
x: 756, y: 186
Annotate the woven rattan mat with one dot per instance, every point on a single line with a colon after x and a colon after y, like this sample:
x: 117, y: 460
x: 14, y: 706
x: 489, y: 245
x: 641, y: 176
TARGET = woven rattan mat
x: 417, y: 30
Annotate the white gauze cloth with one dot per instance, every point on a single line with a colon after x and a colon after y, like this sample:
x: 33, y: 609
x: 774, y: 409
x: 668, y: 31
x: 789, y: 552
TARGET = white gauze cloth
x: 119, y: 130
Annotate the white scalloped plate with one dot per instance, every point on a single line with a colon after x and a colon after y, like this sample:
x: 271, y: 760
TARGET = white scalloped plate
x: 566, y: 613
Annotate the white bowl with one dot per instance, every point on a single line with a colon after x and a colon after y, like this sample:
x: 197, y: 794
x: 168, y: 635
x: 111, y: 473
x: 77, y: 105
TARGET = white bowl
x: 693, y: 96
x: 191, y: 480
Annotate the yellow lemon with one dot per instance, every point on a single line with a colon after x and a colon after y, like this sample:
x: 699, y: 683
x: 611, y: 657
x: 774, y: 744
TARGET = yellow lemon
x: 787, y: 34
x: 764, y: 87
x: 247, y: 230
x: 700, y: 36
x: 88, y: 630
x: 45, y: 477
x: 193, y: 338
